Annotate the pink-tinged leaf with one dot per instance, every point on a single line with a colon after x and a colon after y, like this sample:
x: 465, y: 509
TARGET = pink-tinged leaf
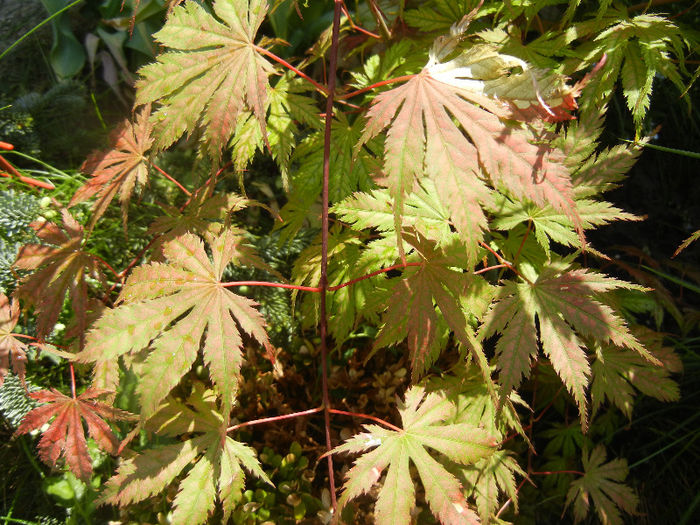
x: 175, y: 308
x: 423, y: 419
x: 455, y: 131
x: 213, y: 73
x: 567, y: 304
x: 119, y: 170
x: 11, y: 348
x: 65, y: 435
x: 58, y: 270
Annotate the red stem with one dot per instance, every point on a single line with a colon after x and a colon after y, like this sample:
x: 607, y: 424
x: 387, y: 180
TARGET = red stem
x: 505, y: 263
x: 272, y: 285
x: 136, y: 259
x: 72, y: 380
x: 323, y: 284
x: 383, y: 270
x: 22, y: 336
x: 356, y: 27
x: 107, y: 265
x: 366, y: 416
x: 171, y: 179
x: 376, y: 85
x: 273, y: 419
x: 522, y: 243
x: 317, y: 289
x: 551, y: 472
x: 488, y: 268
x: 289, y: 66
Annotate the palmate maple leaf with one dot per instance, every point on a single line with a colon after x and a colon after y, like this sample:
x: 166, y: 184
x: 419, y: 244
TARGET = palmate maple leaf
x: 602, y: 483
x: 61, y: 266
x: 422, y: 417
x: 117, y: 171
x: 175, y: 306
x: 11, y: 348
x: 214, y: 73
x: 214, y: 462
x: 65, y: 435
x: 411, y: 313
x: 566, y: 303
x: 447, y: 124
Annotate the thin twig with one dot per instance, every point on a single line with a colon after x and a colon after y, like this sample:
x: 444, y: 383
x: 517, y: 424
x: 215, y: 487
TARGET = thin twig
x: 106, y: 265
x: 171, y: 179
x: 505, y: 263
x: 272, y: 285
x: 289, y: 66
x: 366, y: 416
x: 403, y: 78
x: 72, y: 380
x: 274, y: 418
x: 383, y: 270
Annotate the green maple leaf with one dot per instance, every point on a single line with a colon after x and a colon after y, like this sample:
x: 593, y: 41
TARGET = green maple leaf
x: 550, y: 224
x: 61, y: 266
x: 214, y: 73
x: 214, y: 462
x: 602, y: 483
x: 173, y: 307
x: 118, y: 170
x: 567, y: 306
x: 422, y: 417
x: 637, y: 49
x: 286, y: 106
x: 617, y: 372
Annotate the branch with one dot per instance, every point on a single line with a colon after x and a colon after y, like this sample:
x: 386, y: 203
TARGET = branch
x: 323, y: 321
x: 383, y: 270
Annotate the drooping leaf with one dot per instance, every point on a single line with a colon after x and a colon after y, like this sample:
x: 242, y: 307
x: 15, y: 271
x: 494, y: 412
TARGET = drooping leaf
x: 61, y: 266
x: 11, y: 348
x: 694, y: 237
x: 65, y: 436
x: 567, y: 306
x: 288, y: 107
x: 411, y: 312
x: 602, y: 484
x: 120, y: 169
x: 617, y: 372
x: 213, y: 462
x: 447, y: 124
x: 214, y: 72
x: 174, y: 307
x: 422, y: 416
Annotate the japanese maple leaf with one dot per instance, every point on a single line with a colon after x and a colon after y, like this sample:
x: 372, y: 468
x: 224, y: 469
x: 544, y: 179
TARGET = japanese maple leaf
x: 61, y: 266
x: 422, y: 417
x: 602, y: 483
x: 214, y: 462
x: 214, y: 73
x: 118, y: 170
x: 411, y: 313
x: 567, y: 306
x: 617, y: 372
x: 175, y: 306
x: 447, y: 127
x: 65, y: 435
x: 11, y: 348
